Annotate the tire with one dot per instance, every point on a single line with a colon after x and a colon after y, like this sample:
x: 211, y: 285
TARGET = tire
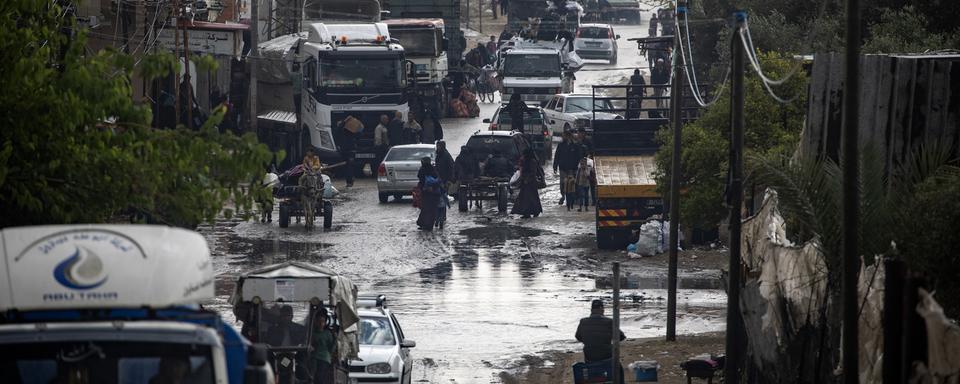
x: 503, y: 196
x: 384, y: 197
x: 284, y: 216
x: 327, y: 215
x: 462, y: 203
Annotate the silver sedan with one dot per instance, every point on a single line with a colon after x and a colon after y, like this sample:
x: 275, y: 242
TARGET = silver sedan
x: 397, y: 174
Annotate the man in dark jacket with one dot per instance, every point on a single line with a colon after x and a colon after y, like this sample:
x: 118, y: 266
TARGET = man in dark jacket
x: 466, y: 167
x: 444, y: 162
x: 596, y: 334
x: 567, y: 158
x: 395, y: 129
x: 636, y: 93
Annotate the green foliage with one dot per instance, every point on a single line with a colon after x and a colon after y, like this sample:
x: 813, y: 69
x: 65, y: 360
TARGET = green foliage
x: 75, y: 148
x: 905, y: 31
x: 770, y: 127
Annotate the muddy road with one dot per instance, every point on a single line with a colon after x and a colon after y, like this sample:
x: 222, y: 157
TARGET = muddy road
x: 488, y: 290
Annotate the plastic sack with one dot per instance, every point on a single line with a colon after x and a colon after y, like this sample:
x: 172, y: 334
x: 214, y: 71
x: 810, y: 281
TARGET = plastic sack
x: 653, y: 238
x: 515, y: 178
x: 328, y: 189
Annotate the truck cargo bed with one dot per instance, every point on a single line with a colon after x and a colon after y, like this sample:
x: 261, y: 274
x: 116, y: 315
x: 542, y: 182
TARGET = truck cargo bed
x: 625, y: 176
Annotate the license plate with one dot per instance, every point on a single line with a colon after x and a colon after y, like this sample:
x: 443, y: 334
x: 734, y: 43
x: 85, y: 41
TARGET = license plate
x: 366, y: 155
x: 594, y: 43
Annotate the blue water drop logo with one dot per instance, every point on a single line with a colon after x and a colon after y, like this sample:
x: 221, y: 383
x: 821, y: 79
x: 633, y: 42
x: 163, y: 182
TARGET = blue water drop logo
x: 85, y: 265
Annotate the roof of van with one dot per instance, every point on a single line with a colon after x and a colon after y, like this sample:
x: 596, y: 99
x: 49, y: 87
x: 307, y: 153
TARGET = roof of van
x: 103, y: 266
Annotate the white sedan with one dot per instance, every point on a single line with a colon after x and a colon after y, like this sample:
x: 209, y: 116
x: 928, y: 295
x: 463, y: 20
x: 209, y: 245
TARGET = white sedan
x: 397, y: 174
x: 384, y: 353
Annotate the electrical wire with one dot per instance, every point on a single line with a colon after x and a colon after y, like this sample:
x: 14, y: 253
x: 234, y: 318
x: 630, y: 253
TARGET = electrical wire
x: 755, y: 60
x: 691, y: 69
x: 756, y: 68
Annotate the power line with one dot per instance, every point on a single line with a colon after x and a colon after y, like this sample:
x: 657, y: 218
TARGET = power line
x: 690, y: 70
x: 766, y: 85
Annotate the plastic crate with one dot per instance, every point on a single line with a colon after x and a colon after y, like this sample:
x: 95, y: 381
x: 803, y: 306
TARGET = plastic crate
x: 645, y: 374
x: 593, y: 373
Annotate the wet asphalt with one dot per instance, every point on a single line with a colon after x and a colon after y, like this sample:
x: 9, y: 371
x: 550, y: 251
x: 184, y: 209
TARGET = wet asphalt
x: 486, y: 290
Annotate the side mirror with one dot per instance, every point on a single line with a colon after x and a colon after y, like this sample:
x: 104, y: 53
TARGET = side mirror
x: 486, y: 121
x: 445, y: 44
x: 553, y: 121
x: 257, y: 370
x: 384, y: 15
x: 407, y: 343
x: 617, y: 37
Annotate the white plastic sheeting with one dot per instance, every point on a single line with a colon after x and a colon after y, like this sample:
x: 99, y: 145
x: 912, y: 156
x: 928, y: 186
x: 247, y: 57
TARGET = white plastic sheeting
x: 943, y: 344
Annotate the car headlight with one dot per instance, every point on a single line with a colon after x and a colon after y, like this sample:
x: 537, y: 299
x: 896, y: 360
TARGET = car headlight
x: 378, y: 368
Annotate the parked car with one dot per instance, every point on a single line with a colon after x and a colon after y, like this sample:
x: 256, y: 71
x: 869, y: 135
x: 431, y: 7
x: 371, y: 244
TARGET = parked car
x: 536, y: 133
x: 567, y: 111
x: 384, y: 352
x: 397, y: 174
x: 509, y: 143
x: 596, y: 41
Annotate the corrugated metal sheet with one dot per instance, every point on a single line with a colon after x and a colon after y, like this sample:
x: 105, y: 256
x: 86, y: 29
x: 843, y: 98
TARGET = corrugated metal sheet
x: 279, y: 116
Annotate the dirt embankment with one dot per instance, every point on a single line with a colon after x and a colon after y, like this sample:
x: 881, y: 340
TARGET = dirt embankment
x: 555, y: 367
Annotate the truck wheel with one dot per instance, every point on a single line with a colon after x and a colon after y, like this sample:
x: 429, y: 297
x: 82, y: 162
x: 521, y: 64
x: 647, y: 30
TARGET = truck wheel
x: 384, y: 197
x: 462, y: 202
x: 284, y: 216
x: 327, y: 215
x: 502, y: 197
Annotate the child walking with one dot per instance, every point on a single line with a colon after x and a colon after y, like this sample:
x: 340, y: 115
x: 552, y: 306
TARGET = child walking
x: 570, y: 187
x: 584, y: 177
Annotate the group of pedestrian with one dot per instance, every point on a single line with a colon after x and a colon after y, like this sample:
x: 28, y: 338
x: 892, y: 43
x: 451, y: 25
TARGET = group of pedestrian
x: 395, y: 131
x: 573, y: 163
x: 389, y: 132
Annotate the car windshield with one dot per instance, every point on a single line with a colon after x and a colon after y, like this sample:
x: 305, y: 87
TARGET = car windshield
x: 356, y: 72
x: 483, y: 146
x: 542, y: 65
x: 107, y: 362
x: 593, y: 33
x: 417, y: 42
x: 410, y: 154
x: 376, y: 331
x: 582, y: 104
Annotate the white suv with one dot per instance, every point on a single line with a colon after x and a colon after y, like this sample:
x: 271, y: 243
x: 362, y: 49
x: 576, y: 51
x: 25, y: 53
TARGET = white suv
x: 569, y: 111
x: 384, y: 353
x: 596, y: 41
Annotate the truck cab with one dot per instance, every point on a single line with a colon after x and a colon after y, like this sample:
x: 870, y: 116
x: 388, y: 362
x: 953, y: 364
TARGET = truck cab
x: 115, y: 303
x: 425, y: 46
x: 351, y: 70
x: 536, y: 74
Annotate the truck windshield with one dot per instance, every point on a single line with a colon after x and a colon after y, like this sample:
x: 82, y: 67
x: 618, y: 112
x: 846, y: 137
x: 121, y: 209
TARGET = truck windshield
x: 532, y: 65
x: 107, y: 362
x: 418, y: 42
x: 360, y: 72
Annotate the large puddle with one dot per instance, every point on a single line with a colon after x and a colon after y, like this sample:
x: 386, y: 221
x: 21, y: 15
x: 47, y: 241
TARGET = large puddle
x: 481, y: 312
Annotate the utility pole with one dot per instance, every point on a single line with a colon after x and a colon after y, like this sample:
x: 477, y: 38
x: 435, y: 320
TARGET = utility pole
x: 480, y: 15
x: 186, y: 66
x: 176, y: 52
x: 252, y: 58
x: 615, y: 334
x: 676, y: 101
x: 851, y: 197
x: 734, y: 322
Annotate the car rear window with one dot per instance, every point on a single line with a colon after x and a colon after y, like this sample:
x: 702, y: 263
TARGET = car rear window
x: 532, y: 119
x: 486, y: 145
x: 593, y: 33
x: 409, y: 154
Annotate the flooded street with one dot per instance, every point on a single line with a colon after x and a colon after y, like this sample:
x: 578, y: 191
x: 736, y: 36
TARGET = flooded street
x: 489, y: 290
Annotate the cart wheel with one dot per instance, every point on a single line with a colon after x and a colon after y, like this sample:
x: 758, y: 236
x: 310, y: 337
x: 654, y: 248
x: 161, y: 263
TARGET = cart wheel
x: 284, y: 216
x: 503, y: 195
x: 327, y: 215
x: 384, y: 197
x: 463, y: 202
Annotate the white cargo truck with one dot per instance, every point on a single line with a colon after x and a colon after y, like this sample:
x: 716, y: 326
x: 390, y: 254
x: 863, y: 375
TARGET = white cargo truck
x: 115, y: 304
